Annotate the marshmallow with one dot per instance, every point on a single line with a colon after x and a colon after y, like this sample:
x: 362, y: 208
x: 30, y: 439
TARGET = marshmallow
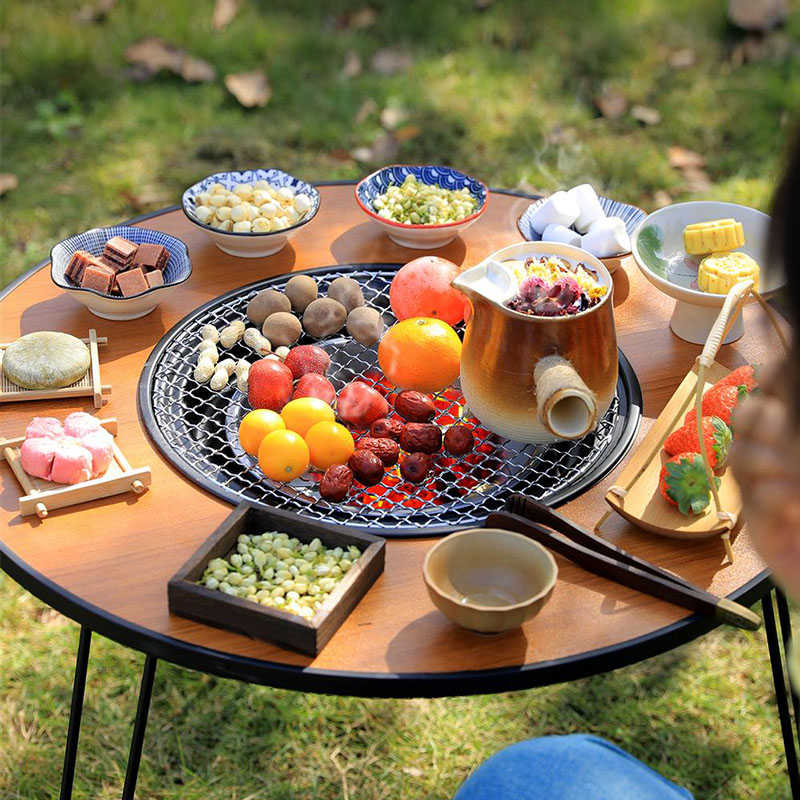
x: 606, y: 242
x: 589, y: 206
x: 562, y: 234
x: 559, y: 209
x: 608, y: 223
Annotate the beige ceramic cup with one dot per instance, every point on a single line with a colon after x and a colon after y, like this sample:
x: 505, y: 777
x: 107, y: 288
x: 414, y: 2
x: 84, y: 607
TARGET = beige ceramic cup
x: 489, y: 580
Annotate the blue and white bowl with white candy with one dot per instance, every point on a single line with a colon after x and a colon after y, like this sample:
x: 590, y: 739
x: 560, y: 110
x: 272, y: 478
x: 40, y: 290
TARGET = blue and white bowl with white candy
x: 251, y: 213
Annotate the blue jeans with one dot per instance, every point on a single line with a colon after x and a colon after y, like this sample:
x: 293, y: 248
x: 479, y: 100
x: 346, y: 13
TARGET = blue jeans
x: 577, y: 767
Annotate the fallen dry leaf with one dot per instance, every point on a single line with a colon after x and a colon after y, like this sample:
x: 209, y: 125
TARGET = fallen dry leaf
x: 224, y: 12
x: 758, y: 15
x: 646, y: 115
x: 195, y: 70
x: 368, y: 107
x: 352, y: 65
x: 611, y: 102
x: 362, y: 19
x: 392, y: 116
x: 97, y: 12
x: 8, y: 181
x: 681, y: 158
x: 390, y: 61
x: 249, y: 88
x: 150, y: 56
x: 407, y: 132
x: 383, y: 151
x: 414, y: 772
x: 661, y: 199
x: 697, y: 180
x: 681, y: 59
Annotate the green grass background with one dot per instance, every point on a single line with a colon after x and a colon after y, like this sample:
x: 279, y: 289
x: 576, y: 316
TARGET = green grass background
x: 505, y: 94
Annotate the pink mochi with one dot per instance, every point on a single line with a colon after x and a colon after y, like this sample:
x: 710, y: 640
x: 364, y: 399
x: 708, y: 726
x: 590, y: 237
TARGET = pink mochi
x: 99, y: 444
x: 37, y: 456
x: 80, y: 423
x: 43, y: 427
x: 72, y: 463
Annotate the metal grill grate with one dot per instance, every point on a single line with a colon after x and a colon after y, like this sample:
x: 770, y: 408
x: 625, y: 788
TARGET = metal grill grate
x: 196, y: 429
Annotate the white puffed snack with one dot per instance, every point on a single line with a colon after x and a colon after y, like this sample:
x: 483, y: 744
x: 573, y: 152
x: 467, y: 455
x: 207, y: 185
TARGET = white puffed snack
x: 203, y: 213
x: 226, y: 225
x: 256, y: 341
x: 606, y: 242
x: 285, y: 194
x: 204, y: 369
x: 260, y: 225
x: 268, y: 210
x: 243, y: 190
x: 245, y: 226
x: 589, y: 206
x: 231, y: 333
x: 561, y: 233
x: 302, y: 203
x: 559, y: 209
x: 240, y: 213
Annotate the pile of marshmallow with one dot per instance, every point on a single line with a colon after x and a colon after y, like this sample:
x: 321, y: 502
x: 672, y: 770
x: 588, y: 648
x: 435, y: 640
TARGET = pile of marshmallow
x: 576, y: 217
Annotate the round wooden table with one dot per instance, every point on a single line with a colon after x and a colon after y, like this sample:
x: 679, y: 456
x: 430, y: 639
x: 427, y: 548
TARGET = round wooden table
x: 106, y: 564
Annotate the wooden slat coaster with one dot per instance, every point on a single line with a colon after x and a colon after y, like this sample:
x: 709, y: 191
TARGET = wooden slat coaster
x: 88, y: 386
x: 636, y: 496
x: 41, y: 496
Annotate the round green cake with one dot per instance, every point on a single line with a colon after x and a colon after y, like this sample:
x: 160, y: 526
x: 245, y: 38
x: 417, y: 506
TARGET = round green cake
x: 46, y: 360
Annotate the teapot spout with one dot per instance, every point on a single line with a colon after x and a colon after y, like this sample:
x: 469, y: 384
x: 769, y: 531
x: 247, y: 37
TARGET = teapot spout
x: 490, y: 280
x: 567, y: 407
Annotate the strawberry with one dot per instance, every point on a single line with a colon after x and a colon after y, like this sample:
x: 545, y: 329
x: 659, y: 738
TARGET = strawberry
x: 718, y: 402
x: 716, y: 436
x: 742, y: 376
x: 683, y: 483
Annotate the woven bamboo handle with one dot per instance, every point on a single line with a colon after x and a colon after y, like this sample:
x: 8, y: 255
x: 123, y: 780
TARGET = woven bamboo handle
x: 736, y: 296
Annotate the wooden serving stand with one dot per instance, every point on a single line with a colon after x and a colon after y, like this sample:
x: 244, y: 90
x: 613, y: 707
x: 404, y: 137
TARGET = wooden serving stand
x: 41, y: 496
x: 87, y: 386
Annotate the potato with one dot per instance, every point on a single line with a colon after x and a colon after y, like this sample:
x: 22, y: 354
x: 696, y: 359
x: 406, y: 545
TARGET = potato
x: 323, y: 317
x: 347, y: 292
x: 301, y: 290
x: 365, y: 325
x: 266, y: 302
x: 283, y: 329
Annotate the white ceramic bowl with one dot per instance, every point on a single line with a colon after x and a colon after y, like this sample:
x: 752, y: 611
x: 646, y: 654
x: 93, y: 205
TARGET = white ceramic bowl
x: 108, y: 306
x: 420, y: 237
x: 657, y: 246
x: 251, y: 245
x: 489, y: 580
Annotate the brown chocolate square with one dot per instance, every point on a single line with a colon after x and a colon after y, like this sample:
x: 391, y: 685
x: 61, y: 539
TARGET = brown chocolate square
x: 98, y: 277
x: 151, y: 256
x: 77, y: 264
x: 104, y: 259
x: 119, y: 251
x: 154, y: 278
x: 132, y: 282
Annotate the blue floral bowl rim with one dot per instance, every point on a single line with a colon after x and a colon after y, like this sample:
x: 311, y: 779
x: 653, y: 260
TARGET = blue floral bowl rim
x: 481, y: 205
x: 117, y: 298
x: 193, y: 190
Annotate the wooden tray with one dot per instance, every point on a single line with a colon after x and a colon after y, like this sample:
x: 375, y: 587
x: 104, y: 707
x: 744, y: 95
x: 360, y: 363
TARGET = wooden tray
x: 641, y: 503
x: 188, y: 599
x: 43, y: 496
x: 88, y: 386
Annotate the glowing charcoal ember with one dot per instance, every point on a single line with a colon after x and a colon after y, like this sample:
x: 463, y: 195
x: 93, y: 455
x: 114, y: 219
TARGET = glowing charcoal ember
x: 100, y: 446
x: 37, y: 456
x: 44, y: 427
x: 72, y: 463
x: 80, y: 423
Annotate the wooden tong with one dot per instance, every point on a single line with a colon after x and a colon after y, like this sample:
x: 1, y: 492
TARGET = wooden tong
x: 554, y: 531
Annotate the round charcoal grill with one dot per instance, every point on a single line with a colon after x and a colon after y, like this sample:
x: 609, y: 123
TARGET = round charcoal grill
x: 196, y: 429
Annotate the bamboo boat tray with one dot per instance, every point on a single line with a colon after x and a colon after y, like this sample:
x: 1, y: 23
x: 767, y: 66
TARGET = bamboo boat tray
x: 89, y: 385
x: 41, y: 497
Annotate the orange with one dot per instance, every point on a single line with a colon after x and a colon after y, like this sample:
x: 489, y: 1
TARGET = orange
x: 299, y: 415
x: 420, y: 353
x: 422, y: 289
x: 329, y: 443
x: 255, y: 425
x: 283, y: 455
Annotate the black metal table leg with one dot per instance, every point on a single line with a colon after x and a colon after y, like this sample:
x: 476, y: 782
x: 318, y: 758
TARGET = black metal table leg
x: 785, y: 621
x: 139, y: 726
x: 781, y: 693
x: 75, y: 713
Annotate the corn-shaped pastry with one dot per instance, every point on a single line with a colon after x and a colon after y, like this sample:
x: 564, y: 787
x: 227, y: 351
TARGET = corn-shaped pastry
x: 720, y: 271
x: 715, y: 236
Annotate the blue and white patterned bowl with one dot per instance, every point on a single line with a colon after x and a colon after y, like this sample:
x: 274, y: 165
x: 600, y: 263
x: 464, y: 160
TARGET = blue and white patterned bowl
x: 631, y: 215
x: 251, y: 245
x: 109, y: 306
x: 420, y: 237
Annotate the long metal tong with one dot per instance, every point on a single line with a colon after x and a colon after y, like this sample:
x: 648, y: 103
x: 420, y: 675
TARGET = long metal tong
x: 557, y: 533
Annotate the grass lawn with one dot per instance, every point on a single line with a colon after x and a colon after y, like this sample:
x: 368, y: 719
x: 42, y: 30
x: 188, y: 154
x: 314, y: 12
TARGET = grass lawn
x: 507, y: 94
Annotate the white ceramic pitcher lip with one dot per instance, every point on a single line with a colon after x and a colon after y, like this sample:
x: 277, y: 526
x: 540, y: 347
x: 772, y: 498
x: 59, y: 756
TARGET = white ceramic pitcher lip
x: 525, y: 249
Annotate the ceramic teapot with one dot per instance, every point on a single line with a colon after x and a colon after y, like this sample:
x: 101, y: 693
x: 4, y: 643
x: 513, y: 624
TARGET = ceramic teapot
x: 531, y: 378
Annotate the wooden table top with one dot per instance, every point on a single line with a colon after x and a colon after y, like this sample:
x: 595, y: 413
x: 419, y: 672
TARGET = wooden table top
x: 107, y: 563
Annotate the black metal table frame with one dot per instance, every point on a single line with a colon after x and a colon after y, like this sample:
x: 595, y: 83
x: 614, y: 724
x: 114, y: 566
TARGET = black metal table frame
x: 158, y: 646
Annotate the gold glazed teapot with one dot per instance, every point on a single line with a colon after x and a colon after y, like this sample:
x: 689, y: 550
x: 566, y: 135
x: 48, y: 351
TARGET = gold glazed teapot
x: 530, y: 378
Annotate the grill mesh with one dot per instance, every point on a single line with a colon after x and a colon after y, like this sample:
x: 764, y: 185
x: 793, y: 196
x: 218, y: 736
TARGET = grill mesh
x: 196, y: 429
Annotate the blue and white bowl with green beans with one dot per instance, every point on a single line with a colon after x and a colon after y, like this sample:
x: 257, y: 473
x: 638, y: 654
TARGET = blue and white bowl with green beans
x: 422, y: 207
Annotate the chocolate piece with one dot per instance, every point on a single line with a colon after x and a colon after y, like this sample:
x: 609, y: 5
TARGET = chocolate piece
x: 98, y: 277
x: 154, y: 278
x: 119, y: 251
x: 132, y: 282
x: 151, y: 256
x: 77, y: 264
x: 110, y: 264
